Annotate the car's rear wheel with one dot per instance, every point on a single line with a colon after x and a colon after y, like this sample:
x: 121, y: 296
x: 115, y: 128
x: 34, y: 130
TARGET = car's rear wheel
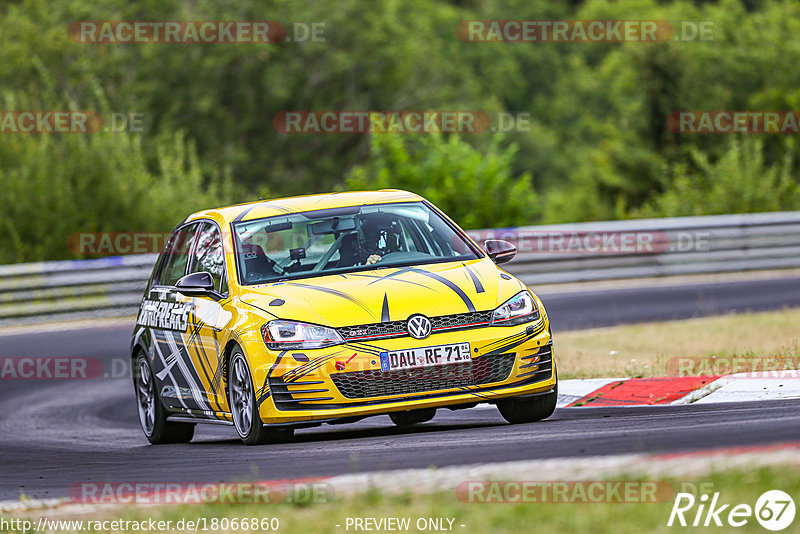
x: 515, y: 410
x: 412, y: 417
x: 152, y: 414
x: 244, y: 408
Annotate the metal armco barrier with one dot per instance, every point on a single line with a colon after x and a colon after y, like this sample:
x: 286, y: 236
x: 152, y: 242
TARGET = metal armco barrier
x: 107, y: 287
x: 652, y: 247
x: 73, y: 289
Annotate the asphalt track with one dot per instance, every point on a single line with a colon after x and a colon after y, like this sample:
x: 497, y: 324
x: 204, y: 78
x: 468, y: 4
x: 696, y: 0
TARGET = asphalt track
x: 55, y: 434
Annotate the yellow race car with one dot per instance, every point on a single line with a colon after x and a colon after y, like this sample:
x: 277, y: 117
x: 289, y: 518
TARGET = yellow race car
x: 290, y: 313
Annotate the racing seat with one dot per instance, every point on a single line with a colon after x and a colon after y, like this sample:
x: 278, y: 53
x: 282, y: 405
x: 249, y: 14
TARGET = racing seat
x: 256, y: 265
x: 349, y: 251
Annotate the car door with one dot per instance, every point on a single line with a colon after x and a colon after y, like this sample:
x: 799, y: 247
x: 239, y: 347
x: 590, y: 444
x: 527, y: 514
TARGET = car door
x: 208, y: 318
x: 167, y: 315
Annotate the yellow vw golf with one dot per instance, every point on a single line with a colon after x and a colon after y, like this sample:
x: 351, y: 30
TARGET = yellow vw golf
x: 290, y: 313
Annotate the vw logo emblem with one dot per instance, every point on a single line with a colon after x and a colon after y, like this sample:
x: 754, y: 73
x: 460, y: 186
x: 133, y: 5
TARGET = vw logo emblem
x: 419, y: 326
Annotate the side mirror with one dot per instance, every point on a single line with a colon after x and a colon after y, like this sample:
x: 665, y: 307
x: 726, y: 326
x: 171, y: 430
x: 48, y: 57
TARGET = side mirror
x: 499, y: 251
x: 197, y: 285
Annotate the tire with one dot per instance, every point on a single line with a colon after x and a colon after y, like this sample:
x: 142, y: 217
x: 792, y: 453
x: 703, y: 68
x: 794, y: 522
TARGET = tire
x: 517, y: 411
x: 152, y: 414
x: 244, y: 409
x: 412, y: 417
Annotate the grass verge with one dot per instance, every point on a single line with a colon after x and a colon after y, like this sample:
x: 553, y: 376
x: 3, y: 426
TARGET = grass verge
x: 735, y: 487
x: 754, y: 341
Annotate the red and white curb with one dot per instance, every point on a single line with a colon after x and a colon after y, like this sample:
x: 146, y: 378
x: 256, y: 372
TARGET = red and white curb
x: 740, y: 387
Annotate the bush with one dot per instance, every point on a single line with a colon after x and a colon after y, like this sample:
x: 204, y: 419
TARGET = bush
x: 475, y: 188
x: 740, y: 181
x: 54, y: 186
x: 598, y: 146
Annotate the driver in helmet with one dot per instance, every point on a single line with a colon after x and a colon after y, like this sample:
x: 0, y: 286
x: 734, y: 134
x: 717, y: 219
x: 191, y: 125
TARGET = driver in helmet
x: 381, y: 235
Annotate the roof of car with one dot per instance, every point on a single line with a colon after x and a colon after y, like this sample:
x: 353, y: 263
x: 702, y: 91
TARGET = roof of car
x: 283, y: 206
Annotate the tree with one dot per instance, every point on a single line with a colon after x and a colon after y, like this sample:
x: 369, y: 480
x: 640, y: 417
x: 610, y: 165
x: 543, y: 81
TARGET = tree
x: 476, y: 188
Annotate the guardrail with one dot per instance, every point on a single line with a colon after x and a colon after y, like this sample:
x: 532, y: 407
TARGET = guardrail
x: 73, y: 289
x: 108, y: 287
x: 655, y: 247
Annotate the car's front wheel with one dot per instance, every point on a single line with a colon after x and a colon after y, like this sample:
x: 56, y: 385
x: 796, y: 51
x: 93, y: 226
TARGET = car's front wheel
x: 244, y: 408
x: 515, y: 410
x: 412, y: 417
x: 152, y: 414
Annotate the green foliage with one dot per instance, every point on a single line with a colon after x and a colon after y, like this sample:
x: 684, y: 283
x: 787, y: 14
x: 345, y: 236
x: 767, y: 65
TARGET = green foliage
x: 54, y: 187
x: 612, y: 106
x: 476, y: 188
x: 598, y: 146
x: 740, y: 181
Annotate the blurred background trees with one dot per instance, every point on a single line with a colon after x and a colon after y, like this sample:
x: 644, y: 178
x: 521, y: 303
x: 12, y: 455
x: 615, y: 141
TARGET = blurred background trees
x: 598, y: 146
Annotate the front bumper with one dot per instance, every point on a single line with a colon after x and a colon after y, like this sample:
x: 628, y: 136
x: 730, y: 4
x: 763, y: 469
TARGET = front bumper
x: 346, y: 381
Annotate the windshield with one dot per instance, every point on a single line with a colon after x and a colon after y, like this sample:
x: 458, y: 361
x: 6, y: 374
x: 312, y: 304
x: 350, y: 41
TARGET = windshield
x: 345, y: 239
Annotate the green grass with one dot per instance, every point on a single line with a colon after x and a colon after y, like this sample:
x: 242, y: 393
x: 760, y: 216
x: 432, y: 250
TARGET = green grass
x: 751, y: 341
x: 735, y: 487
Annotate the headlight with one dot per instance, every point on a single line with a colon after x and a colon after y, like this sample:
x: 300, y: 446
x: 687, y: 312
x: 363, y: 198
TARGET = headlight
x: 521, y: 308
x: 289, y: 335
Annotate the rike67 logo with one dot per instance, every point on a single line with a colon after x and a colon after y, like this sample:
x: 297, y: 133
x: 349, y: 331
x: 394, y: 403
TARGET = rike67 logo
x: 774, y: 510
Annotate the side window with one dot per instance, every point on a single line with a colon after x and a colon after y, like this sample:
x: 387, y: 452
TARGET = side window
x: 161, y: 262
x: 175, y: 267
x: 209, y: 257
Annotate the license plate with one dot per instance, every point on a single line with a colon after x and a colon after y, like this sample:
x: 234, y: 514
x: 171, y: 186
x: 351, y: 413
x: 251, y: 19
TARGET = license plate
x: 425, y: 356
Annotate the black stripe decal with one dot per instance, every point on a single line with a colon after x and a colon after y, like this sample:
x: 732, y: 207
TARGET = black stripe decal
x: 386, y: 278
x: 505, y: 344
x: 448, y: 283
x: 336, y: 292
x: 300, y: 369
x: 369, y: 349
x: 265, y: 391
x: 385, y: 310
x: 243, y: 213
x: 191, y: 374
x: 478, y: 285
x: 314, y: 368
x: 389, y: 276
x: 195, y: 342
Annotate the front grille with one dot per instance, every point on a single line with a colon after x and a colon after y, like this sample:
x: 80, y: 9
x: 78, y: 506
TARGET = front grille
x: 392, y: 329
x: 372, y: 331
x: 462, y: 320
x: 377, y: 383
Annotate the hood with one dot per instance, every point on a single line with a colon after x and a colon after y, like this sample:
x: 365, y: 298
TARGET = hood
x: 389, y: 294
